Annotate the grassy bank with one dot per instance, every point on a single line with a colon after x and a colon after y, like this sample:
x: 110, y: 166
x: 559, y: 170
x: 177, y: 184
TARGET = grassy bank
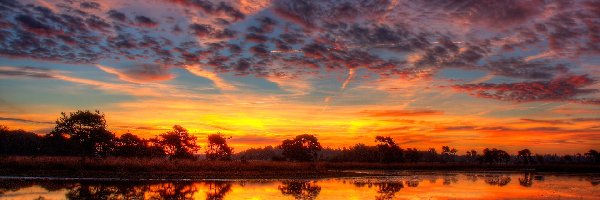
x: 161, y: 168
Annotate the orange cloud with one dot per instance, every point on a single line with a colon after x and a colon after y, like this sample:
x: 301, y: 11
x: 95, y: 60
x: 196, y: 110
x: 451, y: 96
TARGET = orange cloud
x: 218, y: 81
x: 142, y: 73
x: 400, y: 113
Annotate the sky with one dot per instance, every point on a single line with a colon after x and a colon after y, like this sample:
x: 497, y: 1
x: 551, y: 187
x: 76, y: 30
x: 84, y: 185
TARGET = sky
x: 468, y: 74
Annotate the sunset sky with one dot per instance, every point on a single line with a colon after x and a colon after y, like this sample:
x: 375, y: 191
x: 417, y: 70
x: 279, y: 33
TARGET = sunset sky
x: 469, y: 74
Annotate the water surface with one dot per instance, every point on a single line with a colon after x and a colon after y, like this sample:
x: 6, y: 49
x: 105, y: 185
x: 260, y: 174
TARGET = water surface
x: 402, y: 185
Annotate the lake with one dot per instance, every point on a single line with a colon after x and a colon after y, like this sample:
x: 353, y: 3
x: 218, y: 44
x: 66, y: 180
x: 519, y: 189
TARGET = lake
x: 396, y: 185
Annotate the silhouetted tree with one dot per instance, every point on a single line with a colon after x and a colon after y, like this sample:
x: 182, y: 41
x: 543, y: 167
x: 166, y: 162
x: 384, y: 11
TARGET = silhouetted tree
x: 525, y: 156
x: 539, y: 159
x: 357, y: 153
x: 217, y: 148
x: 471, y: 155
x: 58, y: 145
x: 178, y: 143
x: 412, y: 155
x: 19, y: 142
x: 389, y: 151
x: 261, y: 153
x: 448, y: 154
x: 304, y: 190
x: 431, y: 155
x: 302, y: 148
x: 87, y: 130
x: 593, y: 155
x: 130, y: 145
x: 155, y: 148
x: 494, y: 156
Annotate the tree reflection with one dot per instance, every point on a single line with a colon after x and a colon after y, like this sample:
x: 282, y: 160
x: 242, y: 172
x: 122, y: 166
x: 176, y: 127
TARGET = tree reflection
x: 300, y: 189
x: 526, y: 180
x: 55, y: 185
x: 217, y: 190
x: 89, y: 191
x: 387, y: 190
x: 412, y: 183
x: 450, y: 180
x: 498, y: 180
x: 361, y: 184
x: 595, y: 181
x: 128, y: 190
x: 102, y: 190
x: 174, y: 190
x: 471, y: 177
x: 13, y: 185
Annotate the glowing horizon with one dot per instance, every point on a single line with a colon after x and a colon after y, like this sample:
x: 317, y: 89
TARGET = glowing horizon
x: 471, y: 75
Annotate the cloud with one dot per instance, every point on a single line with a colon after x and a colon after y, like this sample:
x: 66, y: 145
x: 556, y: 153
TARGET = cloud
x: 23, y: 120
x: 218, y: 81
x: 586, y: 119
x: 32, y: 72
x: 216, y: 9
x: 140, y: 73
x: 145, y: 128
x: 116, y: 15
x: 400, y: 113
x: 45, y: 73
x: 311, y: 14
x: 255, y: 139
x: 559, y: 89
x: 491, y: 13
x: 562, y: 121
x: 201, y: 30
x: 543, y: 121
x: 145, y: 21
x: 517, y: 67
x: 33, y: 25
x: 90, y: 5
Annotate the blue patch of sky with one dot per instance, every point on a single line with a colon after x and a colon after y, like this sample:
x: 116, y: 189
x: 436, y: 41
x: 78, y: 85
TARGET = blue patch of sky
x: 461, y: 74
x: 189, y: 82
x: 256, y: 84
x: 47, y: 91
x: 83, y: 71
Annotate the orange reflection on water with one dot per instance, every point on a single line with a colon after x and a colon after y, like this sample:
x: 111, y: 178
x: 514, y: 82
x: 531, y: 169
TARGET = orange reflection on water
x: 404, y: 186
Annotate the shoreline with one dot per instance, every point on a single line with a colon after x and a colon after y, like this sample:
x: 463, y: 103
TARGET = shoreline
x: 176, y: 177
x: 134, y: 168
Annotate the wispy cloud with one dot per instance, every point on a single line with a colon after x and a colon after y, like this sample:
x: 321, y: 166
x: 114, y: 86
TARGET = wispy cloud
x: 24, y: 120
x: 400, y: 113
x: 218, y: 81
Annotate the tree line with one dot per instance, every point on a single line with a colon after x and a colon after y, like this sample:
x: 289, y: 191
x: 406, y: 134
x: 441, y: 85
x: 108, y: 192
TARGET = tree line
x: 388, y: 151
x: 85, y: 134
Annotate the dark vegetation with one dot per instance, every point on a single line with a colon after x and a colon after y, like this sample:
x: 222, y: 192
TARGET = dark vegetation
x: 80, y: 141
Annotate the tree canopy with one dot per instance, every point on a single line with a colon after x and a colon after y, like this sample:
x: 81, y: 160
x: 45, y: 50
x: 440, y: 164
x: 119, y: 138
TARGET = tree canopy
x: 178, y: 143
x: 218, y: 149
x: 302, y: 148
x: 87, y: 130
x: 389, y: 151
